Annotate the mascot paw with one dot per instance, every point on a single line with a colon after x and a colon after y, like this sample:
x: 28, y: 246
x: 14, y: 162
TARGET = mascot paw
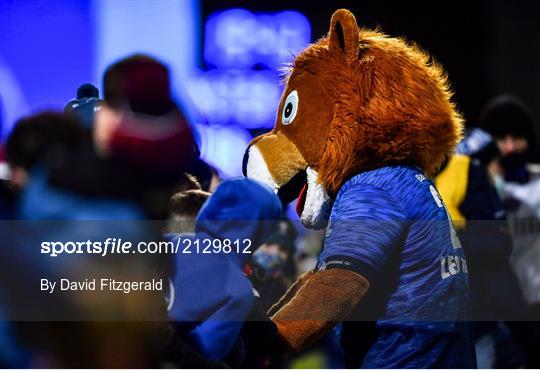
x: 325, y: 298
x: 293, y: 289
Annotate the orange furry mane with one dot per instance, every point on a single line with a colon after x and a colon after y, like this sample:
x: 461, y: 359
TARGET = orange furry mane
x: 392, y: 104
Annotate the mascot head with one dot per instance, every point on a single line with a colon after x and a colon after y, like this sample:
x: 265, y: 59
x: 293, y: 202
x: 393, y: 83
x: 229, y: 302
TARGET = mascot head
x: 354, y: 101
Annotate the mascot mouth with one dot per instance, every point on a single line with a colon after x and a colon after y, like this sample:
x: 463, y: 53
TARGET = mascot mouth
x: 302, y: 183
x: 295, y: 188
x: 313, y: 204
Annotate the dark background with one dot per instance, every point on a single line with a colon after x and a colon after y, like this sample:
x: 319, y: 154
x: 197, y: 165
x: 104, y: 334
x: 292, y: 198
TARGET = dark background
x: 487, y: 47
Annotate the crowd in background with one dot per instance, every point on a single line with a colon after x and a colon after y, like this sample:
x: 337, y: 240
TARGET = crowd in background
x: 131, y: 157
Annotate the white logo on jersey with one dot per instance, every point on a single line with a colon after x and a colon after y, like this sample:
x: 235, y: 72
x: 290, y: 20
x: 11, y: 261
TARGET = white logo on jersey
x: 420, y: 177
x: 453, y: 265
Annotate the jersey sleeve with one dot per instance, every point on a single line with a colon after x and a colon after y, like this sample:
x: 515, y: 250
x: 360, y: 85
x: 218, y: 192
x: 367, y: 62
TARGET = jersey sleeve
x: 368, y: 225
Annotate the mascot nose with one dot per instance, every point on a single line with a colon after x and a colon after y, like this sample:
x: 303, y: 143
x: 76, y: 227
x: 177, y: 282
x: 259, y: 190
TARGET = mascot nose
x: 245, y: 161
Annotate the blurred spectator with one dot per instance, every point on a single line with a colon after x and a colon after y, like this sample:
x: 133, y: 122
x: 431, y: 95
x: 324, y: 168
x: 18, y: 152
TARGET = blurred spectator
x: 241, y: 213
x: 140, y: 125
x: 183, y: 210
x: 273, y: 264
x: 510, y: 123
x: 309, y: 247
x: 41, y: 137
x: 505, y: 137
x: 85, y: 106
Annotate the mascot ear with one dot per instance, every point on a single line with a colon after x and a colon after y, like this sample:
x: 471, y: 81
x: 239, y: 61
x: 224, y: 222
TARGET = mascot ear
x: 343, y: 34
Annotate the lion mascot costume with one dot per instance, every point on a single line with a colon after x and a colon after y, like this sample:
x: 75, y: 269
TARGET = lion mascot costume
x: 364, y: 121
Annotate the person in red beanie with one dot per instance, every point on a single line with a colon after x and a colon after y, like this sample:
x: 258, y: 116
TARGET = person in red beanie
x: 140, y: 124
x: 142, y: 140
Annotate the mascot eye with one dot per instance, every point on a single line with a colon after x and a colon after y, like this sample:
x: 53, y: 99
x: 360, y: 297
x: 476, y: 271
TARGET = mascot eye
x: 290, y: 108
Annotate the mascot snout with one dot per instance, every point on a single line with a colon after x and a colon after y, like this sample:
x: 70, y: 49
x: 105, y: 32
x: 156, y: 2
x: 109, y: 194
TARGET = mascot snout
x: 276, y: 161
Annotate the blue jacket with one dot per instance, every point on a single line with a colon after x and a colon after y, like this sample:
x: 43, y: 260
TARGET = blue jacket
x: 41, y: 201
x: 211, y: 290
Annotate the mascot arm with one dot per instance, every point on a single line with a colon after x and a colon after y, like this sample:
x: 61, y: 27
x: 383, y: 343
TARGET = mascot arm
x: 325, y: 298
x: 291, y: 292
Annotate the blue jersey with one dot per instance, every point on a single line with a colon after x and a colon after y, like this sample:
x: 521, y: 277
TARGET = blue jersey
x: 391, y: 226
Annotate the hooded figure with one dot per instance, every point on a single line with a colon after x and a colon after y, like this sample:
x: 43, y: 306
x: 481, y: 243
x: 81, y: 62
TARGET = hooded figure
x: 212, y: 295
